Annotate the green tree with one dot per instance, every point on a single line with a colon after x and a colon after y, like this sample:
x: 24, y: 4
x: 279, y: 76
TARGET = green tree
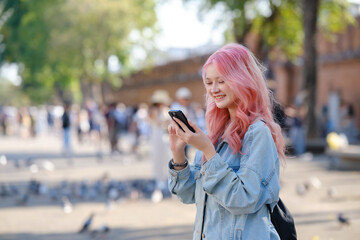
x: 289, y: 26
x: 61, y: 43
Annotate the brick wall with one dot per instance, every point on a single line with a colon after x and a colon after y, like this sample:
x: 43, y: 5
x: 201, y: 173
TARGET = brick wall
x: 338, y: 69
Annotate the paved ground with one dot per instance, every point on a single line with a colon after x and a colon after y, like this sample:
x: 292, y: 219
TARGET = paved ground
x: 139, y: 218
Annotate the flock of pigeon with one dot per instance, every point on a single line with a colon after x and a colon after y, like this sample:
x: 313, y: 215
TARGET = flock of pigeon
x: 110, y: 192
x: 314, y: 183
x: 66, y: 193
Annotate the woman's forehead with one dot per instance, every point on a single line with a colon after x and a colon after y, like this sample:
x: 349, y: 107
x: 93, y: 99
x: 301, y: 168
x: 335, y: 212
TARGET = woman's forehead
x: 212, y: 72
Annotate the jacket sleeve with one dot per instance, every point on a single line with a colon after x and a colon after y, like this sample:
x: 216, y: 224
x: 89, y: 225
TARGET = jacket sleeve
x: 240, y: 192
x: 182, y: 183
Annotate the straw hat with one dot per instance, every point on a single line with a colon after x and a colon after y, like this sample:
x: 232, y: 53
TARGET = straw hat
x: 160, y: 96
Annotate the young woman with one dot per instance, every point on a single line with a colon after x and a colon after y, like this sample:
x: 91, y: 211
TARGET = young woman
x: 235, y: 174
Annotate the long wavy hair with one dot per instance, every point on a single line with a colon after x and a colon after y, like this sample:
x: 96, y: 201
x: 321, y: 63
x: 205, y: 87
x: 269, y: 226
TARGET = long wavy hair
x: 245, y: 76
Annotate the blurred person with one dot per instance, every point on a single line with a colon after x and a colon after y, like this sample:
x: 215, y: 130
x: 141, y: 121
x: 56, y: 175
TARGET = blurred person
x: 297, y: 131
x: 66, y: 127
x: 50, y: 119
x: 3, y: 120
x: 235, y: 175
x: 159, y: 150
x: 183, y: 102
x: 82, y: 124
x: 347, y: 122
x: 115, y: 120
x: 96, y: 120
x: 200, y: 116
x: 24, y: 122
x: 41, y: 120
x: 141, y: 126
x: 33, y: 121
x: 324, y: 121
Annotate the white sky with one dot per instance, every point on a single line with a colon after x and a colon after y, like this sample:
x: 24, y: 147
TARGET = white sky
x: 181, y: 27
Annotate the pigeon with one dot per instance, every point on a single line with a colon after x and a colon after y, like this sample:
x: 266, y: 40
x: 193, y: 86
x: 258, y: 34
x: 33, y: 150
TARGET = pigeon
x: 83, y: 191
x: 315, y: 182
x: 331, y: 192
x: 16, y: 163
x: 23, y: 201
x: 87, y: 223
x: 3, y: 160
x: 301, y: 189
x: 66, y: 204
x: 157, y: 196
x: 343, y: 220
x: 102, y: 230
x: 48, y: 166
x: 53, y: 194
x: 34, y: 168
x: 14, y: 190
x: 4, y: 191
x: 29, y: 161
x: 113, y: 194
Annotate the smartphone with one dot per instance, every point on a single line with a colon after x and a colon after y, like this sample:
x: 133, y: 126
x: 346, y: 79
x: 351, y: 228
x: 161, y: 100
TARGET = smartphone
x: 181, y: 116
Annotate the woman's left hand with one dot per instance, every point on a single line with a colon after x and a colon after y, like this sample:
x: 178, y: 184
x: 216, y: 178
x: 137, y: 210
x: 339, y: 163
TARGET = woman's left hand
x: 198, y: 139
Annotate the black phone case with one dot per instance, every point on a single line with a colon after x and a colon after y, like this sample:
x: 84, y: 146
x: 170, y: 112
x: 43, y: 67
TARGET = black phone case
x: 181, y: 116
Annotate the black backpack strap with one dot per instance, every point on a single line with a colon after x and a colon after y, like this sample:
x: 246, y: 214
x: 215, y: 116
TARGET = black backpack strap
x: 283, y: 221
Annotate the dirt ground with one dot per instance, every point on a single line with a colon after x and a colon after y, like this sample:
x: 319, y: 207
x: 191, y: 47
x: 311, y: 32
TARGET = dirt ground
x: 329, y: 192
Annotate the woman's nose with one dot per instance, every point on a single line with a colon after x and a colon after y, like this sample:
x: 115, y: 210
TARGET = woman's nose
x: 214, y: 87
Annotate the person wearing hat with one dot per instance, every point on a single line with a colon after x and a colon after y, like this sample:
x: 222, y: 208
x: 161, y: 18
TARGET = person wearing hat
x: 159, y: 145
x: 183, y: 102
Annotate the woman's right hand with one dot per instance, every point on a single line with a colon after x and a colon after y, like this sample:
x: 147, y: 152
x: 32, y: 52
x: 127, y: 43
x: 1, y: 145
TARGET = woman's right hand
x: 177, y: 145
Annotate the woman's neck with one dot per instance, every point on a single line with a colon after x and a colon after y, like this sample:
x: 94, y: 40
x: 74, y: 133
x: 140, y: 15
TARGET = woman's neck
x: 232, y: 113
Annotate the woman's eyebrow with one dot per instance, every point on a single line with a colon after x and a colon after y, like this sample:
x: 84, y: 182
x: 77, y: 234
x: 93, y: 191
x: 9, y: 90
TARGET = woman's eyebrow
x: 216, y: 77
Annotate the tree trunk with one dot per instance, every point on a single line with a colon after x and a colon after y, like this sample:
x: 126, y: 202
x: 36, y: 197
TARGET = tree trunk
x: 310, y: 15
x: 85, y: 90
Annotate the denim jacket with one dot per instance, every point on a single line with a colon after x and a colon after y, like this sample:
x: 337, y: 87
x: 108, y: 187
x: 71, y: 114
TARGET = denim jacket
x: 232, y: 191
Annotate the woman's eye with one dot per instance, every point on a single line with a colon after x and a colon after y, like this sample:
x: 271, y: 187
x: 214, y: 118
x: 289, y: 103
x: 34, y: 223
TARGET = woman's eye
x: 208, y: 83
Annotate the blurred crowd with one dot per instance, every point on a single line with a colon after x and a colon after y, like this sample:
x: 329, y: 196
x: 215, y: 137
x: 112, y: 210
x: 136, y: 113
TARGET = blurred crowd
x: 98, y: 124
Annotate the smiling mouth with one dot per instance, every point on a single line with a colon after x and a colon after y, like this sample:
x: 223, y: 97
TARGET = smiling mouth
x: 219, y: 97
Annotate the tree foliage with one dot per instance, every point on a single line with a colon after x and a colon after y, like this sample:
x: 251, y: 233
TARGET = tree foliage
x: 62, y: 43
x: 278, y: 23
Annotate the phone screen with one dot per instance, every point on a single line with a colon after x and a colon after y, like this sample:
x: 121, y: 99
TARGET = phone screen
x: 181, y: 116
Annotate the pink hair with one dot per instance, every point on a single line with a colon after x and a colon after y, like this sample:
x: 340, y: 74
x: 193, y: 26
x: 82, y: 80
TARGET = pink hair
x: 244, y: 74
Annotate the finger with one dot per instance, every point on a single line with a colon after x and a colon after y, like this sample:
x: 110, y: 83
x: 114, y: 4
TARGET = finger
x: 171, y: 130
x: 186, y: 129
x: 175, y: 126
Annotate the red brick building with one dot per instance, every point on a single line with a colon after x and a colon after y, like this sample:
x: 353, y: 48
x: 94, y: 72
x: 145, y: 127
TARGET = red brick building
x: 338, y: 70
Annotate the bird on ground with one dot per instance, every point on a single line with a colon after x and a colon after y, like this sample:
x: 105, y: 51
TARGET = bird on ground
x: 29, y: 161
x: 301, y: 189
x: 315, y: 182
x: 4, y: 191
x: 331, y: 192
x: 101, y: 231
x: 23, y: 200
x: 3, y: 160
x: 48, y: 166
x: 87, y: 223
x: 34, y: 168
x: 16, y: 163
x: 157, y: 196
x: 66, y: 204
x: 343, y: 220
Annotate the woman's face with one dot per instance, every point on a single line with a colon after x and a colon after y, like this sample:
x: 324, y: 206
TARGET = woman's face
x: 218, y: 89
